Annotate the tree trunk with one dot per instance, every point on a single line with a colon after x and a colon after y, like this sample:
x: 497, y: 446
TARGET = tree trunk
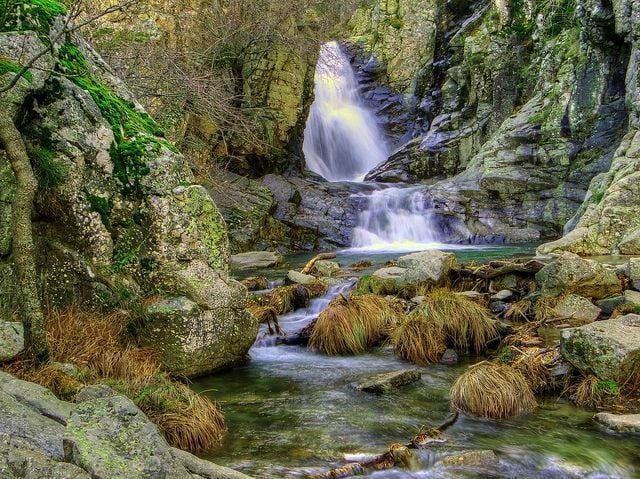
x: 23, y: 249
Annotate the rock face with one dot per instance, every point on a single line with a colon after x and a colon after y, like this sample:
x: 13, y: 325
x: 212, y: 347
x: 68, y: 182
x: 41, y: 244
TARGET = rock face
x: 619, y: 422
x: 11, y: 340
x: 119, y: 213
x: 602, y: 347
x: 104, y: 436
x: 571, y: 273
x: 577, y: 308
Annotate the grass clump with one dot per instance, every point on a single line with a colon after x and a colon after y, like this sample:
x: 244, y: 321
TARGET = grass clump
x: 283, y: 299
x: 7, y: 66
x: 492, y: 390
x: 467, y: 325
x: 520, y: 311
x: 593, y: 393
x: 96, y: 344
x: 532, y: 363
x: 352, y: 325
x: 419, y: 339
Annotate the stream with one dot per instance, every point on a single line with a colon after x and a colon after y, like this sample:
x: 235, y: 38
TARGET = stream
x: 292, y: 412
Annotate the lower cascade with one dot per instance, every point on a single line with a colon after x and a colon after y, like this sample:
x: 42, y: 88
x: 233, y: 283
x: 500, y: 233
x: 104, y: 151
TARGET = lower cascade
x: 395, y: 219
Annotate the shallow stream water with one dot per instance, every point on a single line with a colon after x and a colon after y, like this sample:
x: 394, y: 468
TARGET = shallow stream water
x: 291, y: 412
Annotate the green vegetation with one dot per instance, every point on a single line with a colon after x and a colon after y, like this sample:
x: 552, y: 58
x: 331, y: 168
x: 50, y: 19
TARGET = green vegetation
x: 506, y: 355
x: 36, y: 15
x: 100, y: 205
x: 49, y: 170
x: 597, y: 197
x: 7, y: 66
x: 369, y: 284
x: 556, y: 16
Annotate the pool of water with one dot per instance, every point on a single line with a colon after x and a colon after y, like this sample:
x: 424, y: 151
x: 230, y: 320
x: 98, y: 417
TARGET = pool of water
x: 292, y: 412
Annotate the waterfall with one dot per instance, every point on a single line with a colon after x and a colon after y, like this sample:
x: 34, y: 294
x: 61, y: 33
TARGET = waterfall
x: 342, y: 141
x: 395, y: 219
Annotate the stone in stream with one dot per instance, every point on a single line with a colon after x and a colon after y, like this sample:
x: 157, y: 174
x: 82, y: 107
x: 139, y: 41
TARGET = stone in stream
x: 386, y: 382
x: 619, y: 422
x: 413, y: 268
x: 450, y: 358
x: 11, y: 340
x: 256, y: 259
x: 603, y: 346
x: 296, y: 277
x: 327, y: 268
x: 577, y: 308
x: 504, y: 295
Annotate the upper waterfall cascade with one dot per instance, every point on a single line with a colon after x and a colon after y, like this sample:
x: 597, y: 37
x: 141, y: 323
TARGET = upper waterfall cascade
x: 342, y: 141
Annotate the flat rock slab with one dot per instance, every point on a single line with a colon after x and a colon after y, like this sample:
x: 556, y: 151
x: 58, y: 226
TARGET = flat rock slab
x: 256, y: 259
x: 387, y: 382
x: 619, y: 422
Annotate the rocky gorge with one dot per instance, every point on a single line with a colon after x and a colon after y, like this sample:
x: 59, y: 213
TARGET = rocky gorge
x: 163, y: 165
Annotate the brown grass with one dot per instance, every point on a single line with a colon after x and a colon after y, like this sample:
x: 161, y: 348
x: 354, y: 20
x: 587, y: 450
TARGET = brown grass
x: 543, y: 308
x: 466, y: 324
x: 520, y: 311
x: 532, y: 366
x: 283, y: 299
x: 351, y: 325
x: 588, y: 394
x: 419, y: 340
x: 316, y: 290
x: 492, y: 390
x: 622, y: 310
x: 629, y: 376
x: 96, y: 345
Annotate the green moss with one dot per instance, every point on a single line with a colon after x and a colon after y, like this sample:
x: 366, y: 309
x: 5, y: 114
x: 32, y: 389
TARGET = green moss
x: 608, y: 386
x: 369, y: 284
x: 49, y: 171
x: 100, y: 205
x: 128, y: 248
x: 597, y: 197
x: 36, y: 15
x: 506, y: 356
x: 7, y: 66
x: 396, y: 23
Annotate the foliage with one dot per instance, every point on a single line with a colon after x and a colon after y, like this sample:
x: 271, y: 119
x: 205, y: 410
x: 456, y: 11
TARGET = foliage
x: 492, y: 390
x: 102, y: 206
x: 37, y: 15
x: 7, y: 66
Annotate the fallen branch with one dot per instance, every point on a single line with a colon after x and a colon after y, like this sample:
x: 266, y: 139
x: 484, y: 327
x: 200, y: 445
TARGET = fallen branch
x: 500, y: 268
x: 322, y: 256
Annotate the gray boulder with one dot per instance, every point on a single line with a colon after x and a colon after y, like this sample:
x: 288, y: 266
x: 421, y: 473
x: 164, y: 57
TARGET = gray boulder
x: 602, y: 347
x: 327, y: 268
x: 577, y: 308
x: 619, y: 422
x: 11, y: 340
x: 634, y: 272
x: 256, y: 259
x: 632, y: 297
x: 111, y: 438
x: 571, y: 273
x: 297, y: 277
x: 427, y: 265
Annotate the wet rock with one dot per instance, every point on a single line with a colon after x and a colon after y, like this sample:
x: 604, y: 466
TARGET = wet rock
x: 255, y: 283
x: 295, y: 277
x: 256, y: 260
x: 450, y: 358
x: 205, y: 469
x: 574, y: 274
x: 327, y: 268
x: 111, y: 437
x: 418, y: 300
x: 577, y: 308
x: 619, y: 422
x: 387, y: 382
x: 602, y: 347
x: 11, y: 340
x: 498, y: 307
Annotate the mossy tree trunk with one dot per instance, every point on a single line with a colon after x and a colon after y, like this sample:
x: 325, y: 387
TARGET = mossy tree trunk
x: 23, y: 248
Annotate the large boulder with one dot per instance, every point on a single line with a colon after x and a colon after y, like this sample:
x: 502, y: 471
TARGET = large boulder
x: 431, y: 266
x: 11, y: 340
x: 110, y: 437
x: 571, y: 273
x: 577, y: 308
x: 602, y: 347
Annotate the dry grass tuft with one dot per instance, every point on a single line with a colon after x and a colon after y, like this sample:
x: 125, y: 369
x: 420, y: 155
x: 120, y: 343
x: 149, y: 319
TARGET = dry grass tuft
x: 352, y: 325
x: 520, y: 311
x: 466, y: 324
x: 283, y: 298
x: 316, y: 290
x: 96, y: 345
x: 492, y: 390
x: 623, y: 309
x: 419, y: 340
x: 532, y: 364
x: 629, y: 377
x: 589, y: 394
x: 543, y: 308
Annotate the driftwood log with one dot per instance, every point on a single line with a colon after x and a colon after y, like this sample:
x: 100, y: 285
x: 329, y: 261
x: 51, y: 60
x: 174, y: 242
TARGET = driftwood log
x: 494, y: 269
x: 397, y: 455
x: 308, y: 268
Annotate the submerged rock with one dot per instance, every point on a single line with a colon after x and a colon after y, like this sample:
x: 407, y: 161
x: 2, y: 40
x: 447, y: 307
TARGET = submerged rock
x: 619, y: 422
x: 602, y: 347
x: 11, y: 340
x: 296, y: 277
x: 386, y: 382
x: 471, y: 458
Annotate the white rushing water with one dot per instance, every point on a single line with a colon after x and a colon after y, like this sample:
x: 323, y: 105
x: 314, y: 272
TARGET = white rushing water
x: 342, y: 141
x: 395, y: 219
